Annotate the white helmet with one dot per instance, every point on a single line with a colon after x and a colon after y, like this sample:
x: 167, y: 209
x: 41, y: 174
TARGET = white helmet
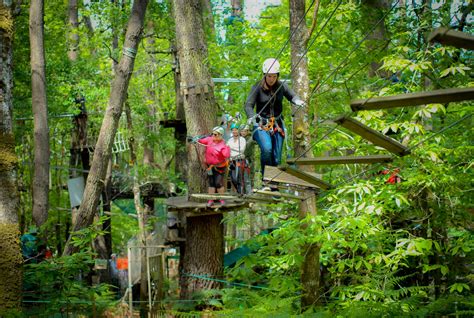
x: 271, y: 66
x: 219, y: 130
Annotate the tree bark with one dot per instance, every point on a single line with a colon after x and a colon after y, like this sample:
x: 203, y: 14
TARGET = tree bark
x: 204, y: 249
x: 40, y: 114
x: 103, y: 148
x: 310, y: 275
x: 11, y: 260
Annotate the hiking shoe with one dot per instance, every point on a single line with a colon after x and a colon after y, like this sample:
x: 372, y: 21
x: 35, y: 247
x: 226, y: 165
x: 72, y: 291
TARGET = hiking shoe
x: 222, y: 202
x: 210, y: 203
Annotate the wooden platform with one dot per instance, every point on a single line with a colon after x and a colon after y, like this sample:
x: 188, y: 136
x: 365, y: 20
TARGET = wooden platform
x: 193, y: 208
x: 173, y: 123
x: 454, y: 38
x: 372, y: 135
x: 414, y: 99
x: 148, y: 189
x: 337, y: 160
x: 274, y: 174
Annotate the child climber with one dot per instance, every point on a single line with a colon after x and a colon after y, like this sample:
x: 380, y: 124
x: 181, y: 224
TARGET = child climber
x: 217, y: 156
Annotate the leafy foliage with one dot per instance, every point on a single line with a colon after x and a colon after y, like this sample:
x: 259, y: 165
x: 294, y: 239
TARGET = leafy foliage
x: 400, y: 249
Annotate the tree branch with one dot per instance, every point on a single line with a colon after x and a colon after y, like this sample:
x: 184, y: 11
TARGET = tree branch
x: 315, y: 19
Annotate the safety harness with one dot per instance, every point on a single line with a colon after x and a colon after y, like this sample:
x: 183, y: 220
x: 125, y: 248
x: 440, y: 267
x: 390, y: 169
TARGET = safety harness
x: 219, y: 167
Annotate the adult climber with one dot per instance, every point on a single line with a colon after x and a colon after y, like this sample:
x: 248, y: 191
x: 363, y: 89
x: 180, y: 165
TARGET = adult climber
x: 217, y: 155
x: 237, y: 146
x: 264, y: 109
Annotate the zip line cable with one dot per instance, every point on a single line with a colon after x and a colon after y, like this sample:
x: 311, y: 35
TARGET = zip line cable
x: 318, y: 86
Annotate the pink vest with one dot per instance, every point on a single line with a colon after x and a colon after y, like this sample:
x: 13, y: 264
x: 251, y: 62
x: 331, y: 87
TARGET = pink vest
x: 215, y: 152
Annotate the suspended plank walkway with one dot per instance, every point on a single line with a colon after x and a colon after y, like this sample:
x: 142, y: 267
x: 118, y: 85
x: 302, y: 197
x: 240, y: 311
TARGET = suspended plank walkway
x: 278, y: 194
x: 276, y: 175
x: 372, y: 135
x: 454, y: 38
x: 335, y: 160
x: 306, y: 176
x: 414, y: 99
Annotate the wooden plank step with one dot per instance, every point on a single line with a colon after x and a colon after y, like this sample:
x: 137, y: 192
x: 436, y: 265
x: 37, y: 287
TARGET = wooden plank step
x: 279, y: 194
x: 339, y: 160
x: 274, y: 174
x: 258, y: 198
x: 414, y: 99
x: 454, y: 38
x: 306, y: 177
x: 372, y: 135
x: 214, y: 196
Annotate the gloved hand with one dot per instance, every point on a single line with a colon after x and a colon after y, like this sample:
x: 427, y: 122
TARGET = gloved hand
x: 192, y: 140
x: 251, y: 121
x: 298, y: 102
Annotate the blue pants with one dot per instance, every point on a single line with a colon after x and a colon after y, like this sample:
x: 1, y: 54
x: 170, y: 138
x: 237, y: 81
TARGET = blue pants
x: 271, y: 146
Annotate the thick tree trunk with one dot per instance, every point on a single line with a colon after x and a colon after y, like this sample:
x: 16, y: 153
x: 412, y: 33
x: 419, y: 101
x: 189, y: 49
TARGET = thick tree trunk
x: 204, y: 249
x: 11, y: 260
x: 310, y: 274
x: 103, y: 148
x: 40, y: 114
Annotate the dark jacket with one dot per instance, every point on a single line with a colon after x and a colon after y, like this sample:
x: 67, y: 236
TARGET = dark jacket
x: 259, y: 97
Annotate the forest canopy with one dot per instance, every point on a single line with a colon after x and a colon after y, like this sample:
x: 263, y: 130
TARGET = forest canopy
x: 127, y: 93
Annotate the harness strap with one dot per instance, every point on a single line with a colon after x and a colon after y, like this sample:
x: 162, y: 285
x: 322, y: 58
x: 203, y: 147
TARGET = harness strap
x: 222, y: 166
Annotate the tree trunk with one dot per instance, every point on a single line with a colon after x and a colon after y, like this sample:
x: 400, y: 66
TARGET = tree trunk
x: 207, y: 16
x: 372, y: 12
x: 73, y: 36
x: 310, y: 274
x: 40, y: 114
x: 204, y: 249
x: 103, y: 148
x: 141, y: 214
x: 11, y: 260
x: 180, y: 131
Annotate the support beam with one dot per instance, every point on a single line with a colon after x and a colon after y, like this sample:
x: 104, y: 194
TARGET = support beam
x: 339, y: 160
x: 454, y: 38
x: 414, y: 99
x: 372, y: 135
x: 305, y: 176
